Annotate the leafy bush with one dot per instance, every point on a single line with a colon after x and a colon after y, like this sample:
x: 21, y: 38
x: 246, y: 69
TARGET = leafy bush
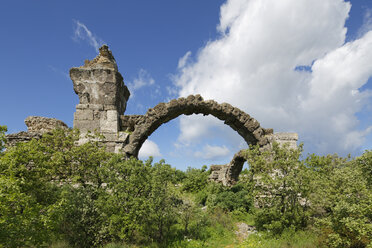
x: 229, y: 200
x: 195, y: 180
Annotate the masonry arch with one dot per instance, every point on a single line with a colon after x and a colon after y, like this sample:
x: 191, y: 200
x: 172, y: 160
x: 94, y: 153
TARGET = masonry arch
x: 246, y: 126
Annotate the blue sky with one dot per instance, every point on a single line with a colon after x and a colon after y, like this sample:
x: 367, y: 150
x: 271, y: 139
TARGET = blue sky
x: 238, y: 51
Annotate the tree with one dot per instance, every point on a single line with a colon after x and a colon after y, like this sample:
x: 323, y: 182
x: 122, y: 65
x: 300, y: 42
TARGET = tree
x: 163, y: 201
x: 141, y: 205
x: 280, y: 187
x: 341, y: 199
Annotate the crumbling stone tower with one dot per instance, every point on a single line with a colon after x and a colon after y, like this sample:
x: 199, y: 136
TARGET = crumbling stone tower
x: 103, y: 98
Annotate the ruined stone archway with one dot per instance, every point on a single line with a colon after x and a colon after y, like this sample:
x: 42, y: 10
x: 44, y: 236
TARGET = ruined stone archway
x: 102, y: 102
x: 103, y: 97
x: 246, y: 126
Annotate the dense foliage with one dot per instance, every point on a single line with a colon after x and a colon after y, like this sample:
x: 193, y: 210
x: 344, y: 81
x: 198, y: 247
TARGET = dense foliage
x: 328, y: 193
x: 52, y: 191
x: 341, y: 199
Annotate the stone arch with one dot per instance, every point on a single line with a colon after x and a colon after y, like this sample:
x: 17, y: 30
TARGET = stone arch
x: 246, y: 126
x: 228, y: 174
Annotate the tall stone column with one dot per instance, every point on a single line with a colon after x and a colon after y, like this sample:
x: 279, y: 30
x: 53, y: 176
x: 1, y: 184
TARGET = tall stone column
x: 103, y: 98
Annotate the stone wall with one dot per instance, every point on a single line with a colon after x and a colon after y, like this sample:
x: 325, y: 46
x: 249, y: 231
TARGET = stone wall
x: 36, y: 127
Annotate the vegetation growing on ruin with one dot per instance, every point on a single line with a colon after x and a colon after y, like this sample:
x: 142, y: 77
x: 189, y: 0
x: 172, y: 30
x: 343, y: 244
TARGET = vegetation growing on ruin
x: 56, y: 194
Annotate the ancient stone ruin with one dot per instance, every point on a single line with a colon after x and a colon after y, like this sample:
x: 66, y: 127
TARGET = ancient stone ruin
x: 229, y: 174
x: 36, y: 127
x: 103, y: 98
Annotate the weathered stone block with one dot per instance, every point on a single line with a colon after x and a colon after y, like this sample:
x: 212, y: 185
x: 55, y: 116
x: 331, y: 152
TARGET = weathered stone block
x: 109, y: 126
x: 119, y: 148
x: 252, y: 125
x: 110, y: 146
x: 87, y: 125
x: 263, y: 141
x: 98, y: 107
x: 112, y: 115
x: 82, y: 106
x: 110, y: 107
x: 83, y: 114
x: 41, y: 124
x: 123, y: 136
x: 258, y: 133
x: 110, y: 122
x: 110, y: 136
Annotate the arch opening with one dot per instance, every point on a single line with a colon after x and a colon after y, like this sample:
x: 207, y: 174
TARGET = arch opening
x: 193, y: 141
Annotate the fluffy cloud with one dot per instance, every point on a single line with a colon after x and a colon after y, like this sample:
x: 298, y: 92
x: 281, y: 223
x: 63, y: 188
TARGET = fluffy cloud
x: 182, y: 61
x: 81, y: 32
x: 195, y: 127
x: 256, y: 64
x: 149, y: 148
x: 212, y: 152
x: 143, y: 79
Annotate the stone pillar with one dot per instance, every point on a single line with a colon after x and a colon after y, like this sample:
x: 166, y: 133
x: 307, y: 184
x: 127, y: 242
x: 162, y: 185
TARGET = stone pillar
x: 103, y: 98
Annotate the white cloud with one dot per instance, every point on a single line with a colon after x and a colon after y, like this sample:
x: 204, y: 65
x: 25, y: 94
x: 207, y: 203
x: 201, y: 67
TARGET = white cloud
x: 81, y: 32
x: 149, y: 148
x: 356, y: 139
x: 252, y: 66
x: 183, y: 60
x: 195, y: 127
x: 212, y: 152
x: 367, y: 23
x: 143, y: 79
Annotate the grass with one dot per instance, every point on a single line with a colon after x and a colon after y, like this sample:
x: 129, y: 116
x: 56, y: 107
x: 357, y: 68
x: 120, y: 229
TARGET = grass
x: 221, y: 234
x: 300, y: 239
x: 289, y: 239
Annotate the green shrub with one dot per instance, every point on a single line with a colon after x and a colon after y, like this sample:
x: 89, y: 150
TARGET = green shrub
x: 195, y: 180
